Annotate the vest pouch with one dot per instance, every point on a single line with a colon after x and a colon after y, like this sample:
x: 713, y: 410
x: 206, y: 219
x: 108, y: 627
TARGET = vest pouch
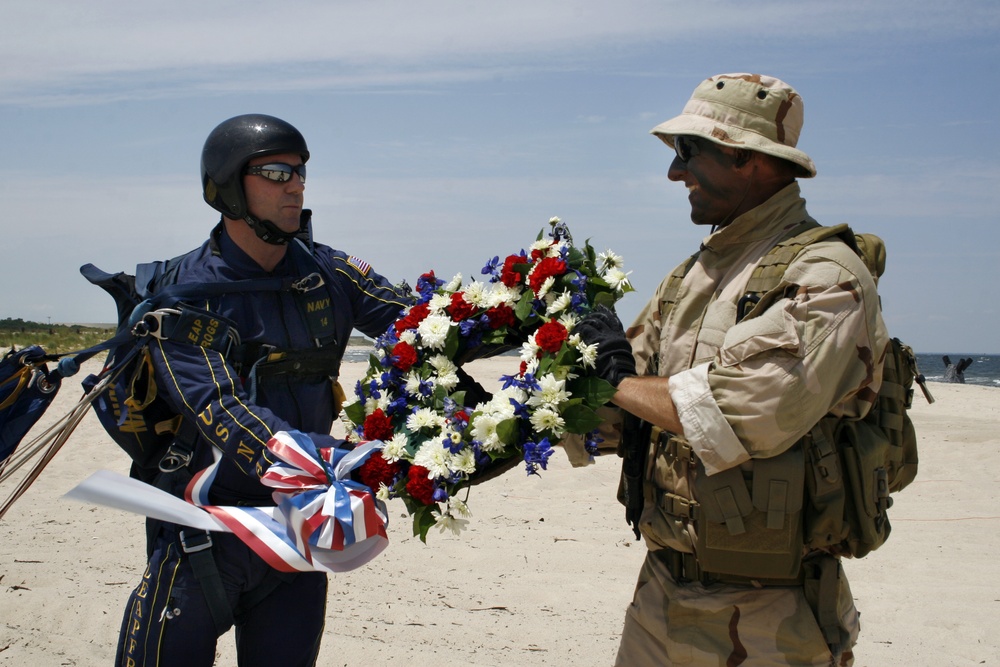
x: 668, y: 509
x: 758, y: 534
x: 824, y: 523
x: 865, y: 450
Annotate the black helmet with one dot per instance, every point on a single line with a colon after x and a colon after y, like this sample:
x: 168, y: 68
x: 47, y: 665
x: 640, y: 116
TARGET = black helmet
x: 228, y: 149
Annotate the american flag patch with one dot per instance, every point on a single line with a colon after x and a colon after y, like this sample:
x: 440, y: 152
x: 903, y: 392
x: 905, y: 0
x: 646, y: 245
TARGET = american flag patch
x: 359, y: 264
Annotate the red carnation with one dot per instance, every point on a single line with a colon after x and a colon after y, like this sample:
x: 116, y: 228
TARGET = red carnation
x: 404, y: 355
x: 412, y: 319
x: 550, y: 336
x: 419, y: 485
x: 501, y: 316
x: 460, y: 309
x: 550, y: 266
x: 508, y: 276
x: 376, y: 470
x: 377, y: 426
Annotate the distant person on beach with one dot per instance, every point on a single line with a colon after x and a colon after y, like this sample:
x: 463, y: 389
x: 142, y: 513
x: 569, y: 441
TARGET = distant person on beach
x: 280, y: 376
x: 953, y: 372
x: 729, y: 400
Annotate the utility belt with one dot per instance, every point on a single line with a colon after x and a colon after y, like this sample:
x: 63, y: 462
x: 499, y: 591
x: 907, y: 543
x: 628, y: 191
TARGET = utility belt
x: 684, y: 568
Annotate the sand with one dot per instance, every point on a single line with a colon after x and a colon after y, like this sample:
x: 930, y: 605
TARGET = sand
x: 541, y: 577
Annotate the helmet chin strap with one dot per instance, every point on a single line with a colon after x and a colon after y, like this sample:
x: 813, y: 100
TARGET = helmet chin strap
x: 268, y: 232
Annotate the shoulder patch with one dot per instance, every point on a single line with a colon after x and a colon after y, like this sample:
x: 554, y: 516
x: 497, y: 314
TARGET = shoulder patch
x: 361, y: 265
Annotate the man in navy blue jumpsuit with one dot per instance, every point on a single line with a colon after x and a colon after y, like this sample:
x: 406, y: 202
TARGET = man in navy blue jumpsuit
x: 281, y: 376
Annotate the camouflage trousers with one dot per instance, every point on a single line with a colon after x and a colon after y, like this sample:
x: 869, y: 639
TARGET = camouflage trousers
x: 723, y: 625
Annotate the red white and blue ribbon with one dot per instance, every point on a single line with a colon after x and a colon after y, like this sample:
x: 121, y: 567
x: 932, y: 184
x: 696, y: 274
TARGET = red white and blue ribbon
x: 323, y: 520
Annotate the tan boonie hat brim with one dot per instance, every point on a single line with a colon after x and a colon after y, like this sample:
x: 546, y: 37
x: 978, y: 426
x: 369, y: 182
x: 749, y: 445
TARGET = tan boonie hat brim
x: 752, y: 111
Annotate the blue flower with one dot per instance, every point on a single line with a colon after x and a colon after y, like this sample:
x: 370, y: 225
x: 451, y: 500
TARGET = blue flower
x: 440, y: 495
x: 537, y: 454
x: 492, y: 268
x: 591, y: 441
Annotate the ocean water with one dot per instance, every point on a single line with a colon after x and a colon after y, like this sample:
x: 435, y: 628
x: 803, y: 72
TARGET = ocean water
x: 984, y: 371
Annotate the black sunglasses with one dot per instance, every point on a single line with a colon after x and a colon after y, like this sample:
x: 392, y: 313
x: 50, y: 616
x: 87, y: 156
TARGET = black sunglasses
x: 686, y: 147
x: 278, y: 171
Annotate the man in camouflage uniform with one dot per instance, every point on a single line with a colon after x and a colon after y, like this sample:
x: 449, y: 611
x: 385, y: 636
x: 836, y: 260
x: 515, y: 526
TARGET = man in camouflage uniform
x: 727, y: 579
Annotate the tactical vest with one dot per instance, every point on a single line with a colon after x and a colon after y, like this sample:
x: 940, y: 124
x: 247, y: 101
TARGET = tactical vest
x: 829, y: 491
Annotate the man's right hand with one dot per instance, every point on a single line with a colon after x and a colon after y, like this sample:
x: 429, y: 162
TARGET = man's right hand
x: 614, y: 361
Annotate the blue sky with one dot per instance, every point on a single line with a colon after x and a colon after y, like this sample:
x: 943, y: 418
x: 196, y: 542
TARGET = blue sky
x: 444, y: 133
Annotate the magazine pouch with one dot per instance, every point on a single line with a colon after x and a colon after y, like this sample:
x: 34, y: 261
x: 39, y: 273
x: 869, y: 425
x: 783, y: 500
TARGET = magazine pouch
x: 866, y: 455
x: 751, y: 521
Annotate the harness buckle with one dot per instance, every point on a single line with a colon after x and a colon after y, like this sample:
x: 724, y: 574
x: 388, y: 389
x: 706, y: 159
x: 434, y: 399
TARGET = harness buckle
x: 192, y: 547
x: 151, y: 323
x: 309, y: 283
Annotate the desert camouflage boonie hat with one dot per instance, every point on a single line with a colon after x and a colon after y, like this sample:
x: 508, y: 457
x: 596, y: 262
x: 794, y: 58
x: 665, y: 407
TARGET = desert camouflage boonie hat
x: 751, y: 111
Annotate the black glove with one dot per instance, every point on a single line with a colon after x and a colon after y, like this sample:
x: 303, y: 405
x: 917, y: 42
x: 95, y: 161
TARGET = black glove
x: 614, y: 353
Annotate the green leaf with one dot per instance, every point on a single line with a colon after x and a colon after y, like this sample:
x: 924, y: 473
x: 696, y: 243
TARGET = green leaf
x: 604, y: 299
x: 580, y: 419
x: 594, y: 390
x: 523, y: 308
x: 423, y: 519
x: 509, y: 432
x: 451, y: 343
x: 355, y: 412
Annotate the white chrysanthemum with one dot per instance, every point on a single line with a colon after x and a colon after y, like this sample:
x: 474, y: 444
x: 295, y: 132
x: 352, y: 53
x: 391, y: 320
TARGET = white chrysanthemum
x: 545, y: 419
x: 555, y: 220
x: 540, y: 244
x: 501, y: 294
x: 531, y: 366
x: 438, y: 303
x: 617, y: 278
x: 588, y: 353
x: 424, y: 418
x: 458, y: 507
x: 484, y: 429
x: 552, y: 392
x: 500, y: 405
x: 412, y: 384
x: 569, y: 319
x: 433, y: 456
x: 454, y: 284
x: 529, y: 349
x: 546, y: 285
x: 434, y: 331
x: 373, y: 404
x: 558, y: 303
x: 383, y: 492
x: 447, y: 371
x: 464, y: 461
x: 379, y: 353
x: 394, y: 449
x: 448, y: 521
x: 476, y: 294
x: 408, y: 336
x: 609, y: 260
x: 353, y: 437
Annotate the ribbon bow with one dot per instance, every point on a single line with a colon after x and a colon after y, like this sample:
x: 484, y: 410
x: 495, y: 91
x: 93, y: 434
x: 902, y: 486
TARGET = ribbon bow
x: 323, y: 521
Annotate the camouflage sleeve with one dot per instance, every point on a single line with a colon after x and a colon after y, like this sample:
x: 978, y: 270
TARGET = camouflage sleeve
x: 815, y: 352
x: 644, y: 335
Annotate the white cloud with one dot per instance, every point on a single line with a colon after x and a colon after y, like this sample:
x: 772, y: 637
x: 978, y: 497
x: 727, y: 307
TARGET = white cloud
x: 64, y: 51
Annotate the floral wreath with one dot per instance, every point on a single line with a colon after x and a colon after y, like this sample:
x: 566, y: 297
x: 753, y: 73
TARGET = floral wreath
x: 415, y: 398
